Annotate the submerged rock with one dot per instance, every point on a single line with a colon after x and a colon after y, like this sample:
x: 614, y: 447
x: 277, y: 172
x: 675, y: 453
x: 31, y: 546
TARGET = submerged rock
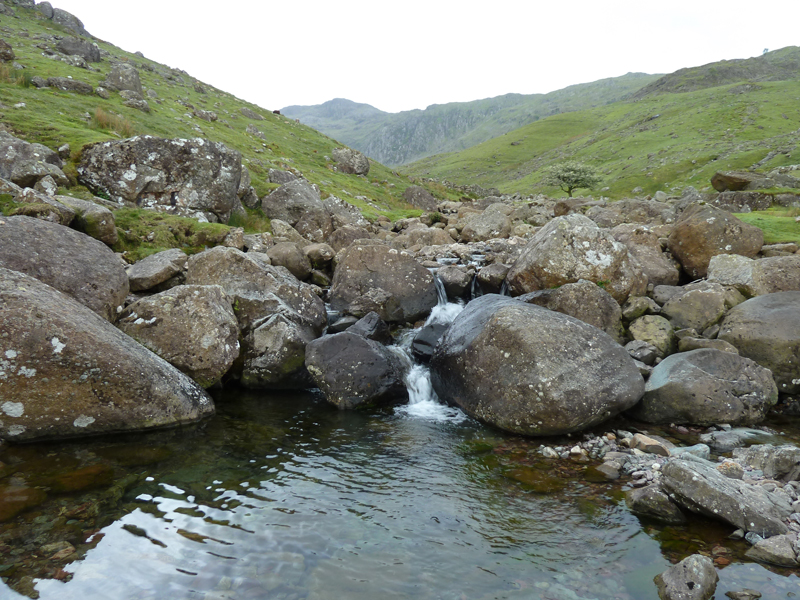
x: 694, y: 578
x: 66, y: 372
x: 532, y: 371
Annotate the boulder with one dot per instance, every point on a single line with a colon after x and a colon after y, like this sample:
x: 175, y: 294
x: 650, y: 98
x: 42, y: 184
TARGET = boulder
x: 699, y: 305
x: 275, y: 353
x: 532, y: 371
x: 756, y: 277
x: 724, y: 181
x: 649, y: 212
x: 258, y: 289
x: 293, y: 201
x: 777, y: 462
x: 353, y: 371
x: 251, y: 114
x: 704, y: 231
x: 156, y: 268
x: 46, y: 9
x: 418, y: 196
x: 123, y: 76
x: 75, y: 46
x: 6, y: 52
x: 42, y: 206
x: 67, y: 260
x: 645, y: 248
x: 694, y: 578
x: 457, y: 280
x: 194, y: 178
x: 652, y: 503
x: 583, y: 300
x: 570, y: 248
x: 384, y: 280
x: 343, y: 213
x: 92, y: 219
x: 66, y: 372
x: 742, y: 202
x: 192, y: 327
x: 344, y: 236
x: 291, y: 256
x: 766, y: 329
x: 706, y: 387
x: 700, y: 488
x: 320, y: 255
x: 134, y: 100
x: 777, y: 550
x: 24, y: 164
x: 280, y: 177
x: 487, y: 225
x: 425, y: 236
x: 656, y: 331
x: 491, y: 278
x: 372, y: 327
x: 69, y: 21
x: 350, y: 161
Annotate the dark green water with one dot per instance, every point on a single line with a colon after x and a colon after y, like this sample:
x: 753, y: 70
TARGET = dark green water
x: 283, y: 497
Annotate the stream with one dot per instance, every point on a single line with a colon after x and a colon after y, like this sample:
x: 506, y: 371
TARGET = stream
x: 282, y: 496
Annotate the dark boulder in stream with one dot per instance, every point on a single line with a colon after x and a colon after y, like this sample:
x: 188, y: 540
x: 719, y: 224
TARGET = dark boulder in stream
x: 532, y: 371
x: 67, y: 372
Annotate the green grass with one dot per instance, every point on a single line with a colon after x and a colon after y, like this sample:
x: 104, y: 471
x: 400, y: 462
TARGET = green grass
x: 254, y: 221
x: 778, y: 224
x: 52, y: 117
x: 694, y: 135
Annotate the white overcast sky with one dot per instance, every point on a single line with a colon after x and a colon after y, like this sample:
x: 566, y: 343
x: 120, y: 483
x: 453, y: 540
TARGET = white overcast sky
x: 411, y: 54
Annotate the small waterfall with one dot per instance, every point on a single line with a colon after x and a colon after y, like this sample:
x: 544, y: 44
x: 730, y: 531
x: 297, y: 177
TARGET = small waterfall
x: 422, y: 399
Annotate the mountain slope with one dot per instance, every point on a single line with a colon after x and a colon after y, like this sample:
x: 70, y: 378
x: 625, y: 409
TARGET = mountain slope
x: 400, y: 138
x: 53, y: 117
x: 660, y: 142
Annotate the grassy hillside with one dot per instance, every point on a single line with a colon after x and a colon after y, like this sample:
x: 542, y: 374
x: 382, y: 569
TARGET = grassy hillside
x: 400, y: 138
x: 660, y: 142
x: 54, y: 117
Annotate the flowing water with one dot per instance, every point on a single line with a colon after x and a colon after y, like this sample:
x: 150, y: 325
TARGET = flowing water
x: 281, y: 496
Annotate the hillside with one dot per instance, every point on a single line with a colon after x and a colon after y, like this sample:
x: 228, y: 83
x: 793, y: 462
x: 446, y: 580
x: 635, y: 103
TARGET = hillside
x: 662, y: 141
x: 400, y: 138
x: 180, y: 106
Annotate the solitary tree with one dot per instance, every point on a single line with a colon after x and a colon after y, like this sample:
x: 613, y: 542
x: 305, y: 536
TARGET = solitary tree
x: 571, y: 175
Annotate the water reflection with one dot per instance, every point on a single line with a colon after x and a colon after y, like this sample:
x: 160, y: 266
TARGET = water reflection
x: 285, y: 497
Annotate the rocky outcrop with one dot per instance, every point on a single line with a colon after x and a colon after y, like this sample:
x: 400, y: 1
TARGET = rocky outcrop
x: 24, y: 163
x: 532, y: 371
x: 570, y: 248
x: 67, y: 260
x: 350, y: 161
x: 766, y: 329
x: 194, y: 178
x: 192, y: 327
x: 703, y: 232
x: 384, y: 280
x: 69, y: 21
x: 701, y: 488
x: 354, y: 371
x: 705, y: 387
x: 66, y: 372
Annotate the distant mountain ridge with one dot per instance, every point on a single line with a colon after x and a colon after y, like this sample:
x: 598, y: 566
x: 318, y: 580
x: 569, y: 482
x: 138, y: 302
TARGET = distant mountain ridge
x: 400, y: 138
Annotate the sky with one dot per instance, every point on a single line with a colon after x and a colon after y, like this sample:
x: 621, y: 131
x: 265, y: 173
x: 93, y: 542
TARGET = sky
x: 408, y: 55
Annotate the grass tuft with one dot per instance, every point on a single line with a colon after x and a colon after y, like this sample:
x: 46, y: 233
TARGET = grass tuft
x: 110, y: 122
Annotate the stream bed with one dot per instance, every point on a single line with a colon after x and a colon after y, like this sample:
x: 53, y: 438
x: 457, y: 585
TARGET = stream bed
x: 282, y: 496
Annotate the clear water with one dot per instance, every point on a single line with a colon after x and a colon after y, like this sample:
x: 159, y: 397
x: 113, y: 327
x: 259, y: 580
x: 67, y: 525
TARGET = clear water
x: 282, y: 496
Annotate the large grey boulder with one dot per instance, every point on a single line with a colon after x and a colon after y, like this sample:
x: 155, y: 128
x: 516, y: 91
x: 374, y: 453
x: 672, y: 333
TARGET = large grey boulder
x: 645, y: 248
x: 756, y: 277
x: 485, y: 226
x: 777, y: 462
x: 67, y: 260
x: 656, y: 331
x: 344, y: 236
x: 45, y: 8
x: 699, y: 305
x: 418, y: 196
x: 705, y: 387
x: 76, y: 46
x: 257, y: 288
x: 766, y: 329
x: 351, y: 161
x: 192, y: 327
x: 532, y: 371
x: 703, y: 231
x: 583, y: 300
x: 343, y: 213
x: 694, y: 578
x: 156, y: 269
x: 573, y: 247
x: 43, y: 206
x: 66, y: 372
x: 701, y: 488
x: 777, y: 550
x: 353, y: 371
x: 194, y: 178
x: 649, y: 212
x: 293, y: 201
x: 24, y: 163
x: 123, y: 76
x: 651, y: 502
x: 384, y: 280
